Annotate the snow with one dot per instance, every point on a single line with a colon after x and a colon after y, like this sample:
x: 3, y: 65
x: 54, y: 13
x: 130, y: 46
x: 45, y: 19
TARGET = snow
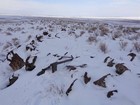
x: 50, y: 88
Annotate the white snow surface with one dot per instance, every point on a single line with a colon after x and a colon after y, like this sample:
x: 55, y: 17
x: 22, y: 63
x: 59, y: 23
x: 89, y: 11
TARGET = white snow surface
x: 50, y: 88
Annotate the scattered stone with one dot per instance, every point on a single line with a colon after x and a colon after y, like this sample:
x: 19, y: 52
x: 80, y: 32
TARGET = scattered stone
x: 48, y: 54
x: 120, y: 68
x: 110, y: 93
x: 70, y: 67
x: 12, y: 80
x: 66, y: 53
x: 91, y: 56
x: 55, y: 55
x: 82, y: 66
x: 110, y: 63
x: 77, y: 57
x: 86, y: 78
x: 138, y: 75
x: 63, y: 29
x: 132, y: 55
x: 31, y: 46
x: 45, y: 33
x: 101, y: 81
x: 57, y: 36
x: 43, y: 71
x: 30, y: 66
x: 105, y: 60
x: 39, y: 38
x: 49, y: 35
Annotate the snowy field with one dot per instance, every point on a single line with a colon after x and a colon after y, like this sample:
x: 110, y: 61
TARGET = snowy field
x: 94, y: 48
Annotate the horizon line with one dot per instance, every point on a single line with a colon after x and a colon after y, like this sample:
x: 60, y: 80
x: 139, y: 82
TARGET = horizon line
x: 82, y: 17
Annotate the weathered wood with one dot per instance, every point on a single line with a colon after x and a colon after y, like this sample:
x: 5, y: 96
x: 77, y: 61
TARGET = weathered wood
x: 70, y: 67
x: 30, y: 66
x: 82, y: 66
x: 70, y: 87
x: 101, y: 81
x: 41, y: 72
x: 53, y: 66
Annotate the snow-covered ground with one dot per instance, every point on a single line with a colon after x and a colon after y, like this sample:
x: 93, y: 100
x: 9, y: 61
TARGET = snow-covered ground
x: 89, y: 42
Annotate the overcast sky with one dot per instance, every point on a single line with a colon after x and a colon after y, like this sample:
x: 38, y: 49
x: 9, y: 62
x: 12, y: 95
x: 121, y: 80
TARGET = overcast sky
x: 71, y: 8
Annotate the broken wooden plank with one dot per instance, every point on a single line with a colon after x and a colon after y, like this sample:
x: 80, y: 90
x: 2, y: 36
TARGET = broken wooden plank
x: 53, y: 66
x: 70, y: 87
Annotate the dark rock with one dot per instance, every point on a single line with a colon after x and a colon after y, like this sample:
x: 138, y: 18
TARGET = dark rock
x: 12, y: 80
x: 86, y: 78
x: 41, y: 72
x: 30, y: 66
x: 110, y: 63
x: 120, y: 68
x: 91, y: 56
x: 105, y: 60
x: 45, y: 33
x: 132, y: 55
x: 63, y: 29
x: 31, y: 46
x: 110, y: 93
x: 39, y: 38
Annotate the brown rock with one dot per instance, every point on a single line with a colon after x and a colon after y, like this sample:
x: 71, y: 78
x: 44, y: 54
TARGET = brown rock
x: 120, y: 68
x: 16, y: 62
x: 86, y: 78
x: 101, y: 81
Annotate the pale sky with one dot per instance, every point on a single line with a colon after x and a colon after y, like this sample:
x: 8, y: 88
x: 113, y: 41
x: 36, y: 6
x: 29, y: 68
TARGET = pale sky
x: 71, y: 8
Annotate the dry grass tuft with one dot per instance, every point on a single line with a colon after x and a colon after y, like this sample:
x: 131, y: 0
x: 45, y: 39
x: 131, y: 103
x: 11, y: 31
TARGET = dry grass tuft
x: 123, y: 45
x: 137, y: 46
x: 103, y: 47
x: 92, y: 39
